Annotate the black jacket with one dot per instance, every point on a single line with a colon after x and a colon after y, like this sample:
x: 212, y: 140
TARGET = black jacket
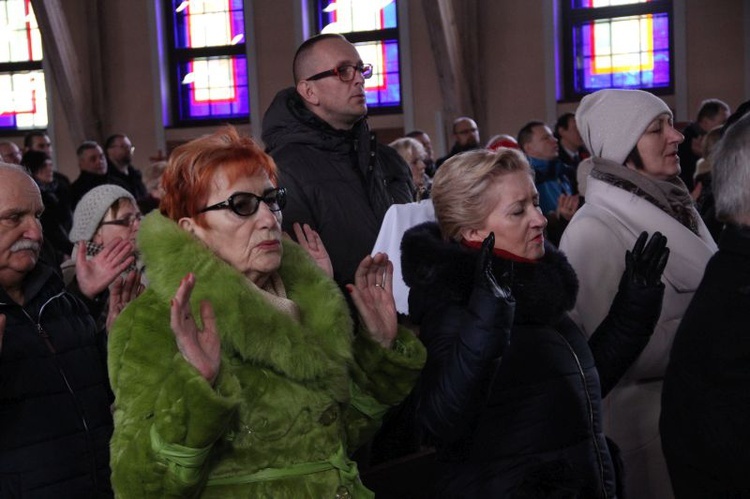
x: 516, y: 408
x: 339, y: 182
x: 55, y: 419
x: 706, y: 396
x: 132, y: 182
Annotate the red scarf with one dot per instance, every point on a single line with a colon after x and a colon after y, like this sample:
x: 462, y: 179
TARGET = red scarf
x: 498, y: 252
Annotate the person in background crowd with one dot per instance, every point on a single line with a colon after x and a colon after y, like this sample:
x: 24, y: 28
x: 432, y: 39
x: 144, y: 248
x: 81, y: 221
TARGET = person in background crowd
x: 105, y: 226
x: 571, y: 148
x: 712, y: 113
x: 502, y: 140
x: 511, y: 392
x: 237, y: 372
x: 57, y: 217
x: 152, y: 180
x: 556, y: 198
x: 93, y: 166
x: 10, y: 153
x: 424, y: 139
x: 465, y: 136
x: 634, y: 186
x: 414, y: 154
x: 120, y: 169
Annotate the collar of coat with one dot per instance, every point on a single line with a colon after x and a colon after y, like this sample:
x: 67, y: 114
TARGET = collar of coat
x: 437, y: 270
x: 316, y: 348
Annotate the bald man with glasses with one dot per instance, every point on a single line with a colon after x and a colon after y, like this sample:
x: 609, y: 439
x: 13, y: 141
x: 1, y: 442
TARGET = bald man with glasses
x: 466, y: 137
x: 339, y: 179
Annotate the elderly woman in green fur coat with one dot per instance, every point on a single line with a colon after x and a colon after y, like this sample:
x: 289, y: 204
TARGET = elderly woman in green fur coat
x: 237, y: 373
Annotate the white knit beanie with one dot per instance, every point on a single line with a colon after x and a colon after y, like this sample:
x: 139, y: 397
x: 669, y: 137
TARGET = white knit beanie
x: 91, y: 209
x: 612, y: 121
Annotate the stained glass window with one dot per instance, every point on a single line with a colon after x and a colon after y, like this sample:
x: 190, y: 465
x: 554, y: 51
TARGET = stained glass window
x: 372, y: 26
x: 617, y: 44
x: 23, y: 96
x: 208, y: 65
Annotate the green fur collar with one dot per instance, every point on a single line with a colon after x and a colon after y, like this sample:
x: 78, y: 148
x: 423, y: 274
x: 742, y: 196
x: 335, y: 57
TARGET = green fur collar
x: 317, y: 348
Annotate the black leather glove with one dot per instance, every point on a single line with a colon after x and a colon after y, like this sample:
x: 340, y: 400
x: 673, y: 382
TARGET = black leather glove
x: 645, y: 264
x: 484, y: 277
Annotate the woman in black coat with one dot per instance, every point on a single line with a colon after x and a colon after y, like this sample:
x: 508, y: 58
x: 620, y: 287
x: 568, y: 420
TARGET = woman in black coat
x: 512, y: 389
x: 706, y: 397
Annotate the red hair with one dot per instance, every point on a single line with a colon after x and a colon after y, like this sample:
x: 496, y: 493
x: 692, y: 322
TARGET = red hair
x: 192, y: 167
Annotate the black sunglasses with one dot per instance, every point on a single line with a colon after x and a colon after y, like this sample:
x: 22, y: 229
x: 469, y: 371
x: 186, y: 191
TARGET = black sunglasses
x: 245, y: 204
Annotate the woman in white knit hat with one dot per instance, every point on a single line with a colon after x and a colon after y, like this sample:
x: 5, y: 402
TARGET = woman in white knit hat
x: 634, y: 186
x: 105, y: 225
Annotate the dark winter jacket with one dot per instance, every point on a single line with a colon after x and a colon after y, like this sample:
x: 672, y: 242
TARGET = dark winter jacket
x: 339, y: 182
x: 57, y: 219
x: 132, y: 182
x: 55, y: 419
x: 516, y: 412
x: 706, y: 401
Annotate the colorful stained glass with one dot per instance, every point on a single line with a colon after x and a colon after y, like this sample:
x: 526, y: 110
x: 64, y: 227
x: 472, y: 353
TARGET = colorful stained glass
x: 362, y: 17
x: 213, y: 87
x: 623, y: 52
x: 23, y: 95
x: 594, y: 4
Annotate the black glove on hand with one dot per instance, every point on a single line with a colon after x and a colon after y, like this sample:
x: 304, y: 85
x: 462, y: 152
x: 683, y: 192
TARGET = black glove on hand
x: 645, y: 264
x: 485, y: 278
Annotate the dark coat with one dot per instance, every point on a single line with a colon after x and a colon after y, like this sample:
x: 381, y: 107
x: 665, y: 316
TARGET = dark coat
x: 55, y: 419
x: 334, y: 183
x: 517, y: 413
x: 706, y: 397
x: 132, y: 182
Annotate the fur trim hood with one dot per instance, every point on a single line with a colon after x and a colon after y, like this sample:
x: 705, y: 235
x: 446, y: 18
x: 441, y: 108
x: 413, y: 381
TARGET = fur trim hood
x: 275, y: 340
x: 438, y: 271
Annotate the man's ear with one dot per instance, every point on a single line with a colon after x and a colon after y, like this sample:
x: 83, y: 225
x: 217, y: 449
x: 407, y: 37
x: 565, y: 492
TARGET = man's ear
x: 473, y: 235
x: 307, y: 91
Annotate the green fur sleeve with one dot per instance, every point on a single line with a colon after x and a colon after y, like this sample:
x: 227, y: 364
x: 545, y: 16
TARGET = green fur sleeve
x: 381, y: 378
x: 167, y: 417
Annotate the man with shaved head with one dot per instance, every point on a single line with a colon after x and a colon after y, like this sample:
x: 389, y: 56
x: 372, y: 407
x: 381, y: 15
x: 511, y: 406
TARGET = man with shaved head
x: 466, y: 138
x: 55, y: 419
x: 10, y: 153
x: 339, y: 180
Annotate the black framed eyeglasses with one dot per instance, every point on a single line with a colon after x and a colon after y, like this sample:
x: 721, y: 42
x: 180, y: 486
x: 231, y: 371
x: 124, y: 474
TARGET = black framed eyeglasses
x: 126, y: 221
x: 345, y: 72
x: 245, y: 204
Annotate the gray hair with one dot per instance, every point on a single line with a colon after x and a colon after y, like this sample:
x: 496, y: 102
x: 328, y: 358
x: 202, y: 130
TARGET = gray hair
x: 731, y: 172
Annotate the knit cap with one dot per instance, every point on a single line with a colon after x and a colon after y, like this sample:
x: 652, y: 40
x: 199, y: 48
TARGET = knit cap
x: 612, y: 121
x: 91, y: 209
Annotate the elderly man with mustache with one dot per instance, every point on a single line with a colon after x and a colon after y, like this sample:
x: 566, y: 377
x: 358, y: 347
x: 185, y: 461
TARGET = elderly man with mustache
x: 55, y: 420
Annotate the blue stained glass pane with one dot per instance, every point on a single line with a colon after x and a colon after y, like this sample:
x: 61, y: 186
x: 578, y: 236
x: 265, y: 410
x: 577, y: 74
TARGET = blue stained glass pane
x: 213, y: 88
x: 209, y: 23
x: 633, y: 61
x: 389, y: 16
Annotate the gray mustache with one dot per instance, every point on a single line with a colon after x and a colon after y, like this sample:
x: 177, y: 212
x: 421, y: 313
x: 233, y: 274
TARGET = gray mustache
x: 25, y: 244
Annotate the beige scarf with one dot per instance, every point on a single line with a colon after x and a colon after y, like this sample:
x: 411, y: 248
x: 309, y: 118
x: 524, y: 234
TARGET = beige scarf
x: 671, y: 195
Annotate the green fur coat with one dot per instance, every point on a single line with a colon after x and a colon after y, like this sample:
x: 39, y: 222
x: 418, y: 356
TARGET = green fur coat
x: 291, y: 399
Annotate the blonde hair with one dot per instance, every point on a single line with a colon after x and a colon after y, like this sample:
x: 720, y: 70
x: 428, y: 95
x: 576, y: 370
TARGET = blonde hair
x: 408, y: 148
x: 462, y: 185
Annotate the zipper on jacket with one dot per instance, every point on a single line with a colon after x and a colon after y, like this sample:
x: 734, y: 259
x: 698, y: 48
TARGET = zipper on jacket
x: 48, y: 342
x: 590, y: 408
